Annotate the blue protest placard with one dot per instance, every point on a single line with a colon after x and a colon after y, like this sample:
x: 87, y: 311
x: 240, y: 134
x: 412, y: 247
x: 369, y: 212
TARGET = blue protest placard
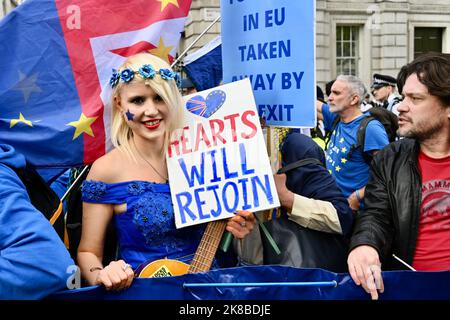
x: 218, y: 161
x: 272, y: 42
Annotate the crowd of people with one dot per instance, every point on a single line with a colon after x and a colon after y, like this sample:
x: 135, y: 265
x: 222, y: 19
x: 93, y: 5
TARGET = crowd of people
x: 393, y: 207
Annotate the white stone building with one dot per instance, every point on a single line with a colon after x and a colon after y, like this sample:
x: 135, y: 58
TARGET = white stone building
x: 357, y: 37
x: 7, y: 5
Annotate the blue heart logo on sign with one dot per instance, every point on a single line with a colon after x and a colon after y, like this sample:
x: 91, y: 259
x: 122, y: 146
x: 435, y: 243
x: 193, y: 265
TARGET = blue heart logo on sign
x: 206, y: 107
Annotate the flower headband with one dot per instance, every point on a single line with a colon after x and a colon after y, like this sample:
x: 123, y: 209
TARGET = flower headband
x: 146, y: 72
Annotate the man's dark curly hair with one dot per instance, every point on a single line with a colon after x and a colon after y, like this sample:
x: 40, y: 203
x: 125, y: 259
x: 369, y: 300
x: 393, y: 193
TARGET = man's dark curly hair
x: 433, y: 71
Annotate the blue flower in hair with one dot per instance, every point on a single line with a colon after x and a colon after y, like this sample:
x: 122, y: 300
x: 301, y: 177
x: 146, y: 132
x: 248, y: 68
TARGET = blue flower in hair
x: 147, y: 71
x: 114, y: 78
x: 127, y: 75
x: 166, y: 74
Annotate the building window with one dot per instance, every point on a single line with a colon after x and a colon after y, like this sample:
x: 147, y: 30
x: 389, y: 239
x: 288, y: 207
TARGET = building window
x: 426, y: 40
x: 347, y: 52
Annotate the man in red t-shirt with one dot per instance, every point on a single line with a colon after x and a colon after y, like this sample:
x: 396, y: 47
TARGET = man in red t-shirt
x: 433, y: 240
x: 406, y: 220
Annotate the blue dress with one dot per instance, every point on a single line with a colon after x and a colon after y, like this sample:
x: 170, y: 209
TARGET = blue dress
x: 146, y: 231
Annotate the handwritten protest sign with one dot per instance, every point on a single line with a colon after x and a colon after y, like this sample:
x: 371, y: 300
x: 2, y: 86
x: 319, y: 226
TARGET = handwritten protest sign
x: 272, y: 42
x: 218, y: 161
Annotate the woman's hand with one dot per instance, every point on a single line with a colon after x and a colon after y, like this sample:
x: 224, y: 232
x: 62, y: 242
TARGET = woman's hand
x: 241, y: 224
x: 118, y: 275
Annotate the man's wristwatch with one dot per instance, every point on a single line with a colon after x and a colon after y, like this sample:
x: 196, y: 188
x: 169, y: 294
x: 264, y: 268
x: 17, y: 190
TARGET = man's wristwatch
x: 358, y: 195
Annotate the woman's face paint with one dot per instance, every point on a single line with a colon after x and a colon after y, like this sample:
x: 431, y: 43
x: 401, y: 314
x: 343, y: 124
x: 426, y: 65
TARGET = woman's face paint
x: 130, y: 116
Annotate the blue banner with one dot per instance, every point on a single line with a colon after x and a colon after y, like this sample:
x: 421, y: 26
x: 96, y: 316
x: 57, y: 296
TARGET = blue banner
x: 272, y: 42
x: 271, y: 283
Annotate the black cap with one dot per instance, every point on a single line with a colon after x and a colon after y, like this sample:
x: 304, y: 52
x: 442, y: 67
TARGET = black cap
x: 328, y: 86
x: 186, y: 83
x: 381, y: 80
x: 319, y: 94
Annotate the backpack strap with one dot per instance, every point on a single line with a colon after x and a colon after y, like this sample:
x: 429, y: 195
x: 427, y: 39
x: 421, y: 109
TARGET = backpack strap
x: 330, y: 132
x: 299, y: 163
x: 317, y: 133
x: 56, y: 214
x: 42, y: 197
x: 361, y: 138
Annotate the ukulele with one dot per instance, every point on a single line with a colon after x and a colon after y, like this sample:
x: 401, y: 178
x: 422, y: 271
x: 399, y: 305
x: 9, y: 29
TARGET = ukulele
x: 202, y: 260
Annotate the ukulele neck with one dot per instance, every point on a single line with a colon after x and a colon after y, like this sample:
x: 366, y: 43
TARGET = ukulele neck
x: 207, y: 248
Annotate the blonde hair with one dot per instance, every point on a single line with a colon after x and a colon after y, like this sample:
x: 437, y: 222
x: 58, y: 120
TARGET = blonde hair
x: 166, y: 89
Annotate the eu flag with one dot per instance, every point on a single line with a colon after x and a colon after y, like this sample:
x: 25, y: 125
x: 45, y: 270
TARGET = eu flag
x: 57, y: 57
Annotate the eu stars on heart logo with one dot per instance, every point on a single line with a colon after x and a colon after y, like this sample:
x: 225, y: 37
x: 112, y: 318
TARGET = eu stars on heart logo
x: 206, y: 107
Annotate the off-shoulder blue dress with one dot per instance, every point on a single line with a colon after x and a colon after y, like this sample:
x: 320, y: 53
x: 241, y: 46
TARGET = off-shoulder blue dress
x: 146, y: 231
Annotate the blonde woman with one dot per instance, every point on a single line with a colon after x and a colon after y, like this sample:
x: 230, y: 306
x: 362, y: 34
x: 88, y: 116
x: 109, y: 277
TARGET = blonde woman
x: 129, y: 185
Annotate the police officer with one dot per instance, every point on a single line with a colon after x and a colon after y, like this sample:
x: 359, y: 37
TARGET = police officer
x: 384, y: 91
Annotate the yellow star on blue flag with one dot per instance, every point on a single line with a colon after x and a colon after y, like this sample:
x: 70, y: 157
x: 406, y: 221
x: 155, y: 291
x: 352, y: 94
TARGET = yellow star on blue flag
x: 27, y: 85
x: 83, y: 125
x: 21, y: 119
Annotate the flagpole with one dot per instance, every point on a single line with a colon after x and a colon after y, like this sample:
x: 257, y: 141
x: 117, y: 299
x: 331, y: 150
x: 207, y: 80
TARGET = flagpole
x: 194, y: 42
x: 227, y: 236
x: 74, y: 183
